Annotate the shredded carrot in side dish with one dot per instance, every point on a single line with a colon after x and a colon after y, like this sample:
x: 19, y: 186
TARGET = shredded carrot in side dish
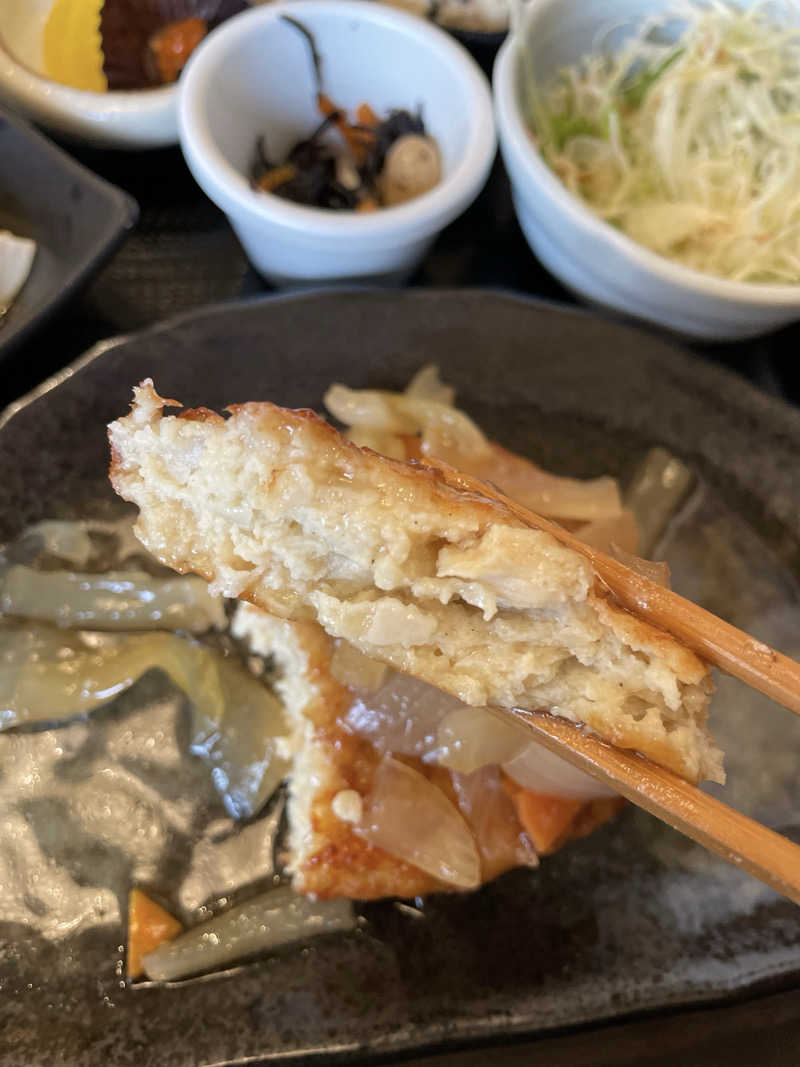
x: 271, y: 179
x: 358, y: 140
x: 149, y: 926
x: 365, y: 116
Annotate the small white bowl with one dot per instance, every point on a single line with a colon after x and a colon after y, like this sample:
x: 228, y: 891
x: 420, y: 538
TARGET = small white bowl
x: 139, y: 118
x: 253, y: 76
x: 591, y: 257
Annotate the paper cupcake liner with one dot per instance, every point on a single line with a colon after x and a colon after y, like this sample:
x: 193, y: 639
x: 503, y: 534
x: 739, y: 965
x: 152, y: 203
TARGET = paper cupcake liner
x: 126, y: 27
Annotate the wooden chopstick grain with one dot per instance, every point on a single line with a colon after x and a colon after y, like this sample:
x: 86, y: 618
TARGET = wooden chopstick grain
x: 714, y: 640
x: 768, y: 856
x: 747, y: 844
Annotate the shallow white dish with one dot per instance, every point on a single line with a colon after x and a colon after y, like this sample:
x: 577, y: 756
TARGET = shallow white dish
x: 253, y: 76
x: 591, y: 257
x: 142, y: 118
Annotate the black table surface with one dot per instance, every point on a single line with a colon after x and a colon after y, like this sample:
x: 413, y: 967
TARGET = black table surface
x: 184, y: 255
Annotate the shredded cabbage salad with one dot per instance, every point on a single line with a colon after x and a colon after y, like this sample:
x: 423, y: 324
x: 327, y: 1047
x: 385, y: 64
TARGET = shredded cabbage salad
x: 689, y: 143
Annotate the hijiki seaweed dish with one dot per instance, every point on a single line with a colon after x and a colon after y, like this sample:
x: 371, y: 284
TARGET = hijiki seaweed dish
x: 359, y: 163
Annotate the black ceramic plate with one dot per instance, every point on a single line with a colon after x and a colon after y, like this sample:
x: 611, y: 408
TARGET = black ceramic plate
x: 76, y: 219
x: 635, y: 918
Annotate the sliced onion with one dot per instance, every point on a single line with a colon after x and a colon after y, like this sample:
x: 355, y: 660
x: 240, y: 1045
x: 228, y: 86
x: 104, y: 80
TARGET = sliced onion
x: 386, y: 444
x: 448, y: 433
x: 114, y: 600
x: 73, y: 540
x: 446, y: 429
x: 244, y: 745
x: 427, y: 385
x: 412, y: 819
x: 654, y: 571
x: 538, y: 769
x: 603, y: 533
x: 493, y: 821
x: 658, y: 488
x: 547, y: 494
x: 402, y: 716
x: 352, y: 668
x: 471, y: 738
x: 369, y: 408
x: 49, y: 675
x: 260, y: 925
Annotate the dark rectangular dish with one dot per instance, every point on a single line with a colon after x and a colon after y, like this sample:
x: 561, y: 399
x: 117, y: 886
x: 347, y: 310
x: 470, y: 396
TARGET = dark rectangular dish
x: 76, y: 219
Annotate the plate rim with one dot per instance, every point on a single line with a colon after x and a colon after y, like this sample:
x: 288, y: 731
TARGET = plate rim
x: 737, y: 388
x: 733, y: 388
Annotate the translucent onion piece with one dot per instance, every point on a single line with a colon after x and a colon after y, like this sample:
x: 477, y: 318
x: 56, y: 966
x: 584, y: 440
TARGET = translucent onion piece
x: 546, y: 494
x: 402, y: 716
x: 47, y: 675
x: 471, y: 738
x: 448, y: 434
x: 540, y: 770
x: 657, y: 572
x: 352, y: 668
x: 114, y: 600
x: 68, y: 541
x: 276, y: 918
x: 412, y: 819
x: 244, y: 745
x: 602, y: 533
x: 16, y: 260
x: 370, y: 409
x: 658, y: 488
x: 491, y: 817
x: 446, y: 428
x: 72, y: 541
x: 427, y: 385
x: 385, y: 444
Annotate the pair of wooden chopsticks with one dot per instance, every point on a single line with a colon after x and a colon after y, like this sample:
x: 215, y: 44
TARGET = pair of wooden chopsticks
x: 763, y: 853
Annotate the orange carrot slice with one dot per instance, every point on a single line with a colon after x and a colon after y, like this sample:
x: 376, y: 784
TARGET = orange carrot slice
x: 546, y: 819
x: 358, y: 141
x: 169, y: 48
x: 365, y: 116
x: 149, y: 926
x: 277, y: 176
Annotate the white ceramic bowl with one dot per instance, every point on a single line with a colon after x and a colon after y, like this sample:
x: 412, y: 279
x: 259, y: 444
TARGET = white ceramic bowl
x: 143, y: 118
x: 253, y: 76
x: 591, y: 257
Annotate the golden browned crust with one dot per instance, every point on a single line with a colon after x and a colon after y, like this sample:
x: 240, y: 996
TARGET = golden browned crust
x: 343, y: 864
x: 343, y: 463
x: 330, y: 858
